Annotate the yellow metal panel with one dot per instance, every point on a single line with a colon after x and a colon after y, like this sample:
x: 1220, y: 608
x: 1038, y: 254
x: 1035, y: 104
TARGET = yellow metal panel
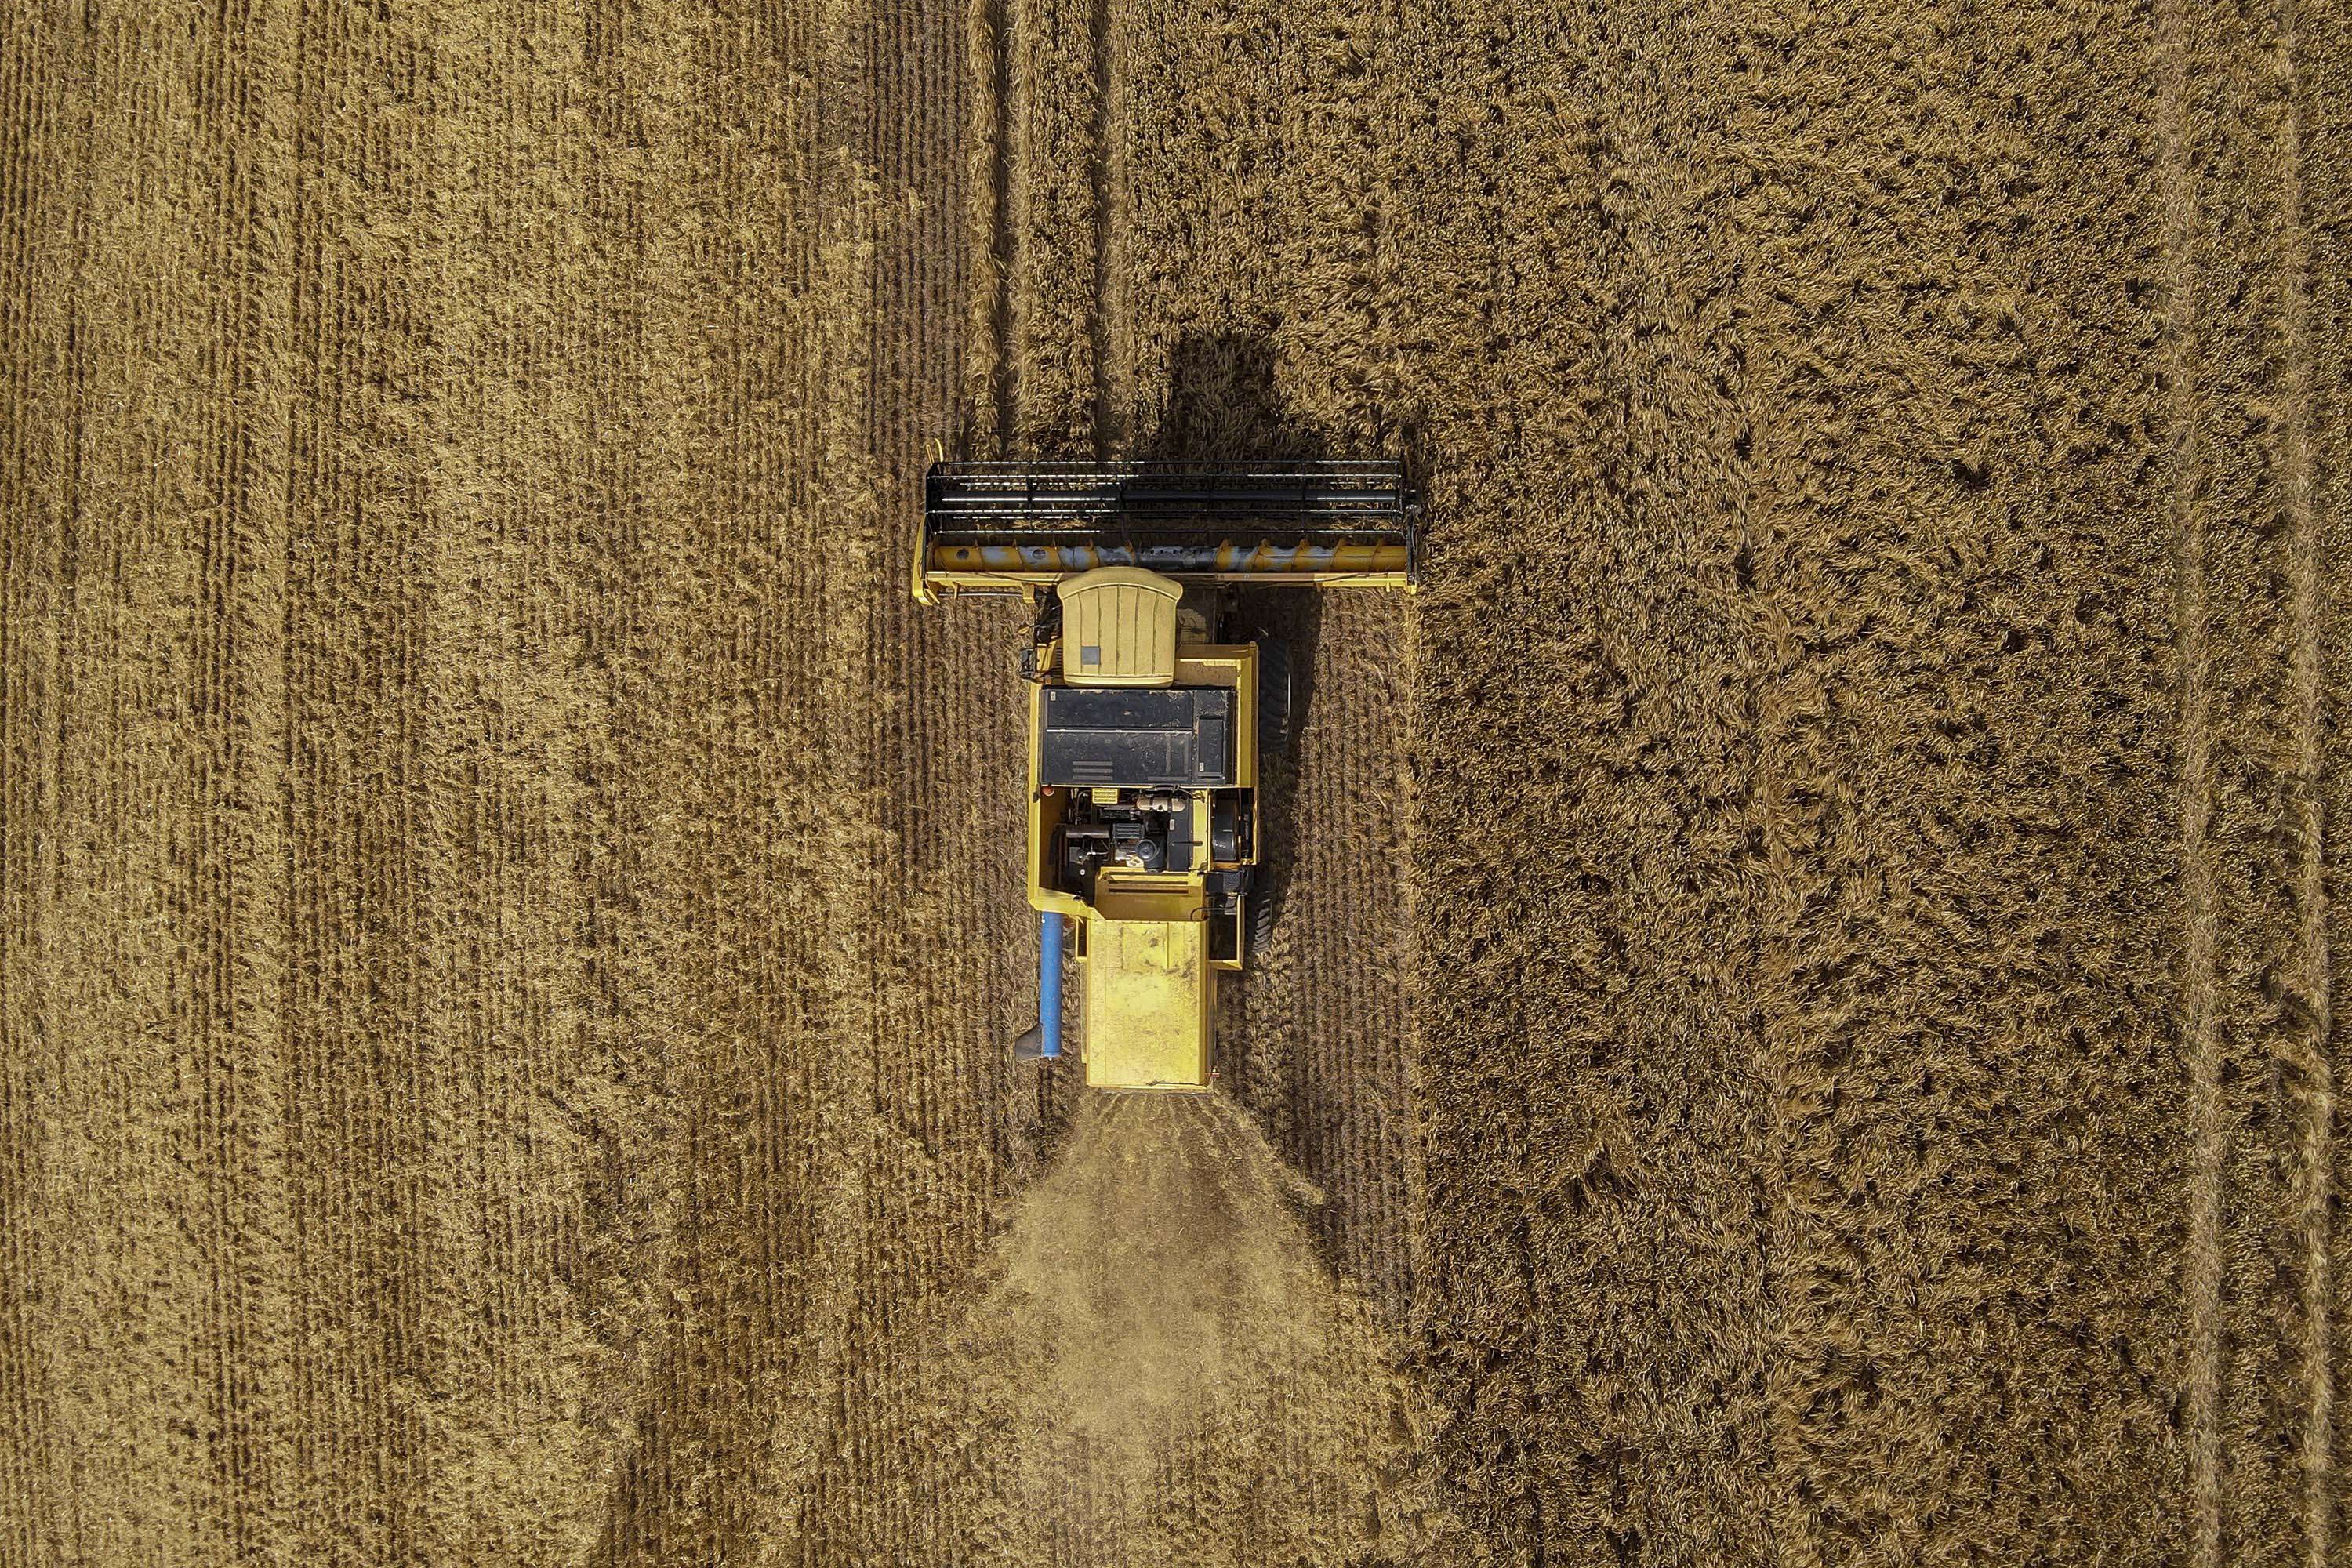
x: 1118, y: 627
x: 1146, y: 994
x: 1121, y: 895
x: 1233, y: 665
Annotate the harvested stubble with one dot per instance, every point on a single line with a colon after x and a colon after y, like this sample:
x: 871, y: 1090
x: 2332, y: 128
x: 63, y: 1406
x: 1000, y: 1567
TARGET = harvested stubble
x: 1807, y: 982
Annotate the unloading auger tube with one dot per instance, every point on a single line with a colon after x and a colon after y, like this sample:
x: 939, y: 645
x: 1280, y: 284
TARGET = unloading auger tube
x: 1154, y: 708
x: 1006, y: 527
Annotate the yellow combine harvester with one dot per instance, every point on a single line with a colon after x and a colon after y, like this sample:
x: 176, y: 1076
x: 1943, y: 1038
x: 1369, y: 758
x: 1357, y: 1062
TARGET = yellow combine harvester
x: 1150, y: 715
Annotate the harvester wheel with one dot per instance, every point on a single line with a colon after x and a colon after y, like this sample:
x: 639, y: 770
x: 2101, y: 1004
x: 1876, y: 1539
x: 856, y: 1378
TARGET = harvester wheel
x: 1272, y: 698
x: 1261, y: 921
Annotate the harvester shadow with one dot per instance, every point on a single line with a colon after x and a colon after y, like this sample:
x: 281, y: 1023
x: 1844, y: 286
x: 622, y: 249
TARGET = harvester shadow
x: 1222, y: 402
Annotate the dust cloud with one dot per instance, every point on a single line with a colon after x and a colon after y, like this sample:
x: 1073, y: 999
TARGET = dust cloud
x: 1176, y: 1377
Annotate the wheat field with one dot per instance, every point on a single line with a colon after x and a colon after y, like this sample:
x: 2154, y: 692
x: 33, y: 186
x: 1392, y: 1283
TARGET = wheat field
x: 1802, y: 1027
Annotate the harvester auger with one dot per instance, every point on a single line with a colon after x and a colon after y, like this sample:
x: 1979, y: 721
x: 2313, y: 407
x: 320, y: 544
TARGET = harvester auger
x: 1150, y: 710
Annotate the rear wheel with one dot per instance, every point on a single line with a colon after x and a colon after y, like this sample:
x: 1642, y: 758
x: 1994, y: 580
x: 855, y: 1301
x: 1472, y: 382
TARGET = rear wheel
x: 1261, y: 920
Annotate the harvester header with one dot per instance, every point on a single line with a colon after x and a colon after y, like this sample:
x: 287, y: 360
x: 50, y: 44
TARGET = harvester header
x: 1007, y: 527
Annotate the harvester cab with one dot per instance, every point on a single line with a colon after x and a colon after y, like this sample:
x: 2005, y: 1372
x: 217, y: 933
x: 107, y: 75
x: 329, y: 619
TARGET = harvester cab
x: 1152, y: 712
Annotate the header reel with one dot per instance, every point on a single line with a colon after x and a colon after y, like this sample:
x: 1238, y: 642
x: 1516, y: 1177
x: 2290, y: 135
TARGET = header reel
x: 1007, y: 527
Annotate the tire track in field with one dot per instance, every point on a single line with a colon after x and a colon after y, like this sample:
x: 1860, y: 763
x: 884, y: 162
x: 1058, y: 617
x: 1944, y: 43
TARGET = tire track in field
x: 2258, y: 1285
x: 2316, y: 1129
x: 2322, y: 45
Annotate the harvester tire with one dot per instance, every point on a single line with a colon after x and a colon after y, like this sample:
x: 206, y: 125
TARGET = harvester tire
x: 1261, y: 921
x: 1273, y: 699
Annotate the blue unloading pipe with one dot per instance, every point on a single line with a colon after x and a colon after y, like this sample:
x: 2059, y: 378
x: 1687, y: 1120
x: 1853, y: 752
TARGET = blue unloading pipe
x: 1049, y: 986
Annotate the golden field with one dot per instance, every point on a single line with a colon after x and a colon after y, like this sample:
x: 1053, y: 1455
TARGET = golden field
x: 1801, y: 1029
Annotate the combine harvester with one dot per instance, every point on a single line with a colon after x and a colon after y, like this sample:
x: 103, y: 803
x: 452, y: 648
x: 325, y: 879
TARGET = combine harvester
x: 1150, y: 713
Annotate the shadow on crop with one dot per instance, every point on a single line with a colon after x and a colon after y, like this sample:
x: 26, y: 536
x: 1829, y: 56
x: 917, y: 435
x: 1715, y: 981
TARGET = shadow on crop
x: 1224, y: 403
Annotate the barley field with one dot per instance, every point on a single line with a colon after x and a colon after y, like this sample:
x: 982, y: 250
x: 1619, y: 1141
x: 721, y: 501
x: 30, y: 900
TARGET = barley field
x: 1802, y: 1027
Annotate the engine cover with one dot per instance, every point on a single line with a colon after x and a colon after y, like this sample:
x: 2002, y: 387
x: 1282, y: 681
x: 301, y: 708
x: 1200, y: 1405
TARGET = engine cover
x: 1173, y: 738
